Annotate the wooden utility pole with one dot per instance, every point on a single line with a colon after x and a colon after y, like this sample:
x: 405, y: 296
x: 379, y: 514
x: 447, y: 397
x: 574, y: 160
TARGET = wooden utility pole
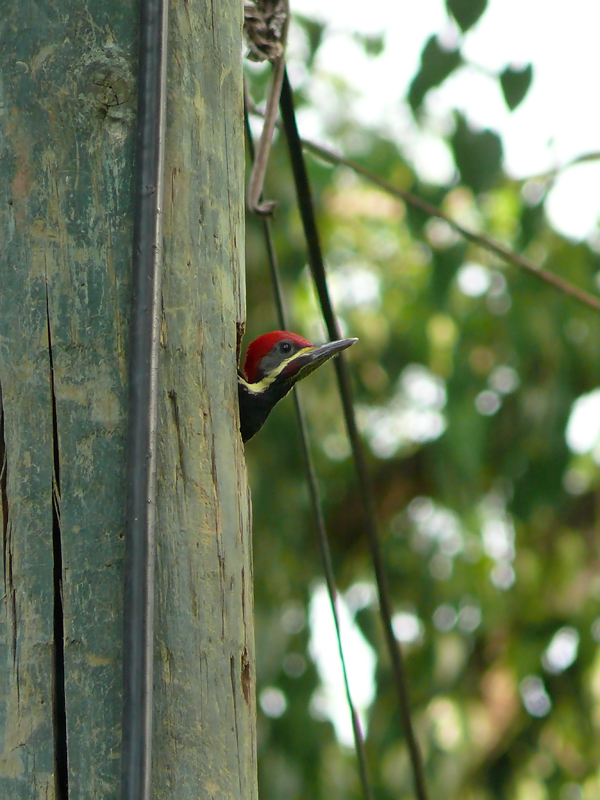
x: 67, y: 128
x: 204, y: 686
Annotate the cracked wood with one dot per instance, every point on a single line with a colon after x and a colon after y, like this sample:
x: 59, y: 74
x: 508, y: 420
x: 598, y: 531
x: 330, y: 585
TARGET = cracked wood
x: 65, y: 224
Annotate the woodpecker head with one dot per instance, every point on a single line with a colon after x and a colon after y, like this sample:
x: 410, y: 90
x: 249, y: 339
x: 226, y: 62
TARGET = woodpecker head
x: 274, y: 363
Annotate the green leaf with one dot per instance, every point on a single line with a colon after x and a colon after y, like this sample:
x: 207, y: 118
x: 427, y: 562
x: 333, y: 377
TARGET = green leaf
x: 314, y: 32
x: 515, y: 84
x: 373, y: 44
x: 436, y: 65
x: 466, y: 12
x: 477, y: 154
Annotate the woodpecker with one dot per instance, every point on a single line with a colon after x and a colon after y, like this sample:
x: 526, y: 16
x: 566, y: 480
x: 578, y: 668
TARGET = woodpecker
x: 274, y: 363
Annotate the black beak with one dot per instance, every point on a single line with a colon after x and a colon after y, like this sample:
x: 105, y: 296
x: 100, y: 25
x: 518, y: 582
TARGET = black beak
x: 307, y: 360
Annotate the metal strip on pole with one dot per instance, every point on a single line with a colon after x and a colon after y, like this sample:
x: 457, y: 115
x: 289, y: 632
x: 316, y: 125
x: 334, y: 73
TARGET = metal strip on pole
x: 143, y: 404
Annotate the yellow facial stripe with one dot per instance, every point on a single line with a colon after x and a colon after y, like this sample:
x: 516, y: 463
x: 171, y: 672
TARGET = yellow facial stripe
x: 263, y: 385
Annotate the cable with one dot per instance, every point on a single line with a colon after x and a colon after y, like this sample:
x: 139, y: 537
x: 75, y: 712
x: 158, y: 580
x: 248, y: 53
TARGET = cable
x: 307, y: 213
x: 140, y: 527
x: 315, y: 499
x: 479, y: 239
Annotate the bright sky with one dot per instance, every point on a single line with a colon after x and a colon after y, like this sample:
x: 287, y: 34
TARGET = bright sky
x: 558, y: 121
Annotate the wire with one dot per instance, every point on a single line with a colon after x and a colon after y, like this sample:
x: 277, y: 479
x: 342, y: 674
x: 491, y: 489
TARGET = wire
x: 316, y: 504
x: 307, y: 213
x: 140, y: 527
x: 261, y: 157
x: 479, y: 239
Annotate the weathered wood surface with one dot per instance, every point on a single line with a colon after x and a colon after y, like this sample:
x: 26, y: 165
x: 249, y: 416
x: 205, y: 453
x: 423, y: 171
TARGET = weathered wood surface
x: 67, y: 129
x: 68, y: 126
x: 204, y: 677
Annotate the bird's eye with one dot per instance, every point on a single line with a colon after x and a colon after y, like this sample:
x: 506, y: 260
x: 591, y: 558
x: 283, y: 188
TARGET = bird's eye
x: 285, y: 347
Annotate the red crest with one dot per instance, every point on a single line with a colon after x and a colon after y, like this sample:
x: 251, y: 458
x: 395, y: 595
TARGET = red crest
x: 260, y: 347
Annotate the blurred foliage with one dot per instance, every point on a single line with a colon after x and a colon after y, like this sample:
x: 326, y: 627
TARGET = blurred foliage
x: 437, y: 63
x: 466, y: 12
x: 515, y: 83
x: 477, y: 155
x: 440, y: 59
x: 489, y: 523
